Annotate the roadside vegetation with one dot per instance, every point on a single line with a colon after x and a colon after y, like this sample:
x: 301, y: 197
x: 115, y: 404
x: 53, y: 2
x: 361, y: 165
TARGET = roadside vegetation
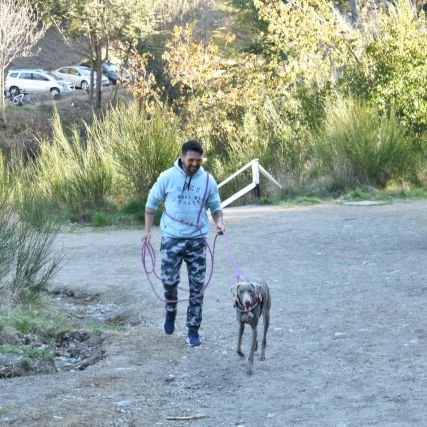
x: 330, y: 98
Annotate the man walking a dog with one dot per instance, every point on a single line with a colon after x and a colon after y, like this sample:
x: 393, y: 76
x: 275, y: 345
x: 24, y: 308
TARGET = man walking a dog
x: 187, y: 191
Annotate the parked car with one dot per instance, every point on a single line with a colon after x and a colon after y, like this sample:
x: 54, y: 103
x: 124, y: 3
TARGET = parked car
x: 79, y: 76
x: 35, y: 80
x: 112, y: 72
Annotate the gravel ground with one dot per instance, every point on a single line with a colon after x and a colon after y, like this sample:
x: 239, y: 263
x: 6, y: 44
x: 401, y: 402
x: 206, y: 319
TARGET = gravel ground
x: 346, y: 346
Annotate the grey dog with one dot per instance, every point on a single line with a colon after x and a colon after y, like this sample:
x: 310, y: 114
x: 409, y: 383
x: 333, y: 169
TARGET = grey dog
x: 252, y: 300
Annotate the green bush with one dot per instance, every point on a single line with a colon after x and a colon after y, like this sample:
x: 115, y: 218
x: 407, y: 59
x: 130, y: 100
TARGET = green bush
x: 391, y: 69
x: 134, y: 207
x: 267, y: 132
x: 71, y: 173
x: 143, y: 145
x: 27, y: 257
x: 357, y: 147
x: 100, y: 219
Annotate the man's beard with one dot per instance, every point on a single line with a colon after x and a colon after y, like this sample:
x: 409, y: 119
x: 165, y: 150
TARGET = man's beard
x: 192, y: 169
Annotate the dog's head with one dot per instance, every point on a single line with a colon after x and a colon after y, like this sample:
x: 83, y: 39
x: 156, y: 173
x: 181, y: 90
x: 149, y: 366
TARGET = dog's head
x: 246, y: 294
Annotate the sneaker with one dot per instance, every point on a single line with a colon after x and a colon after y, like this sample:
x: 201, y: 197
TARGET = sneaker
x: 169, y: 325
x: 193, y: 338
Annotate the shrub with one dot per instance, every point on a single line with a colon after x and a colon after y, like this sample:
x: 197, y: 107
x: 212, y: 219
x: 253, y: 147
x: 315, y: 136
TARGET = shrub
x: 358, y: 147
x: 143, y: 146
x: 27, y: 257
x: 73, y: 174
x: 391, y: 69
x: 100, y: 219
x: 35, y: 262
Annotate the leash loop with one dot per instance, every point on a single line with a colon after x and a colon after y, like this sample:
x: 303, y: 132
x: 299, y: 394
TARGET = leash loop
x: 147, y: 249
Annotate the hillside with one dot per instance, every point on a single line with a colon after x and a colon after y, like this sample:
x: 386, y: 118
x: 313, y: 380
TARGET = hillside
x: 53, y: 51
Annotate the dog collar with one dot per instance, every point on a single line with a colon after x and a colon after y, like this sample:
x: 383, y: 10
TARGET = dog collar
x: 239, y: 307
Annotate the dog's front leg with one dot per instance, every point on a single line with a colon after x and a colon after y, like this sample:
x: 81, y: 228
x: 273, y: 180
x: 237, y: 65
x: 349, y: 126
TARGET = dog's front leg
x: 264, y: 338
x: 252, y: 351
x: 239, y: 339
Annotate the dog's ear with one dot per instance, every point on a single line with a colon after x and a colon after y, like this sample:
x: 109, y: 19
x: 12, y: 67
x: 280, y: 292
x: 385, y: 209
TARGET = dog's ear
x: 258, y: 290
x: 234, y: 289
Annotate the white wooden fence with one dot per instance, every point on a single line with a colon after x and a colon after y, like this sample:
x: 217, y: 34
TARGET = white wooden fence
x: 254, y: 185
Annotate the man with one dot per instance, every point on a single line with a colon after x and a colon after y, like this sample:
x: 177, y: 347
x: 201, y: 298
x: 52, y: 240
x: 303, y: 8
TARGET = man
x: 186, y: 190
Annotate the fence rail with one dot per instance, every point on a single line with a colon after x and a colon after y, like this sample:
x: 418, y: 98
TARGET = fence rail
x: 254, y: 185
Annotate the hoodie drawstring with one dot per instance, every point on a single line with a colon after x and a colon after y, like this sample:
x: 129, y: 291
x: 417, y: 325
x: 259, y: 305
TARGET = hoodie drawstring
x: 185, y: 183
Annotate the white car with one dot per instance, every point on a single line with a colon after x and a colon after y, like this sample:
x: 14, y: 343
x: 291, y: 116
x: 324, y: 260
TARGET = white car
x: 79, y: 76
x: 35, y: 80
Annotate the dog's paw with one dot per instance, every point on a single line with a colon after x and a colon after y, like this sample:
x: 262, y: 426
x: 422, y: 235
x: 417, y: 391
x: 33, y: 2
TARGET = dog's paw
x: 262, y: 357
x: 249, y: 370
x: 240, y: 353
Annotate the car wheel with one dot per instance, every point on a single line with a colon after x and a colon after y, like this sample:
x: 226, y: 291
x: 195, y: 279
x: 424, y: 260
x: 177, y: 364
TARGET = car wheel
x: 55, y: 92
x: 84, y: 85
x: 14, y: 91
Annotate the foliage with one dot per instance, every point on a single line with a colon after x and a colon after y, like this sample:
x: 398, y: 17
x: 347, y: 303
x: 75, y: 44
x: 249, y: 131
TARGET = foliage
x: 73, y: 174
x: 393, y: 69
x: 104, y: 24
x: 143, y: 85
x: 122, y: 156
x: 237, y: 106
x: 27, y: 351
x: 100, y: 219
x: 143, y: 144
x: 27, y: 257
x: 357, y: 147
x: 106, y: 21
x: 306, y: 38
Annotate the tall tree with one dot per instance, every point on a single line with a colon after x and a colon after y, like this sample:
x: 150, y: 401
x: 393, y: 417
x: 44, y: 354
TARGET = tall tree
x: 105, y: 22
x: 20, y: 30
x: 120, y: 24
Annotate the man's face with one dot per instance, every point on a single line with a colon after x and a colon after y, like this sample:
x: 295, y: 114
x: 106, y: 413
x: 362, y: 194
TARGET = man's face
x: 191, y: 161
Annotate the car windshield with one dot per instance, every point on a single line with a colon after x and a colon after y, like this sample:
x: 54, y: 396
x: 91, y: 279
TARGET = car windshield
x: 53, y: 76
x: 84, y: 70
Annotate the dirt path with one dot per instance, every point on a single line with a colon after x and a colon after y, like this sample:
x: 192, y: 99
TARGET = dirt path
x: 347, y: 344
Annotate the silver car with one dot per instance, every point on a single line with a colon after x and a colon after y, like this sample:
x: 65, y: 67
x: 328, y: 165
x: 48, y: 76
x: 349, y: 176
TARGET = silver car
x: 32, y: 80
x: 79, y: 76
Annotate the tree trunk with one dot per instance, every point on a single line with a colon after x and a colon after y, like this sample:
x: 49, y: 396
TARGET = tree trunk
x: 92, y: 55
x: 98, y: 59
x: 2, y: 99
x: 354, y: 11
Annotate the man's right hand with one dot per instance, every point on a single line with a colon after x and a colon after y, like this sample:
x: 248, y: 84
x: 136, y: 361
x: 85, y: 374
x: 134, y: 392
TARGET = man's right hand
x: 146, y: 236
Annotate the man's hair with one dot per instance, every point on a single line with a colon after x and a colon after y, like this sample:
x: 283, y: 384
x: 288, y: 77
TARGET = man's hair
x: 192, y: 146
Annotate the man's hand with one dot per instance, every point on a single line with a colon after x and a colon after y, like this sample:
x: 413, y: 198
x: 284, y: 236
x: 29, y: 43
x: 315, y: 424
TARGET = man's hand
x: 146, y: 236
x: 219, y: 223
x: 220, y: 228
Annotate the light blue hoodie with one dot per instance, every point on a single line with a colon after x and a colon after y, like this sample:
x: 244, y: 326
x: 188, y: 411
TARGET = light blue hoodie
x: 183, y: 195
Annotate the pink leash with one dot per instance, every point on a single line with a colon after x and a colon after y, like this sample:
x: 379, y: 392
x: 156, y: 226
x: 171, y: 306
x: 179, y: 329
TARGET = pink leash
x: 147, y: 248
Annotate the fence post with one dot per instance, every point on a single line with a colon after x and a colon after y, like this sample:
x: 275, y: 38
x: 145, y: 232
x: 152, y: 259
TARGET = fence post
x: 255, y: 177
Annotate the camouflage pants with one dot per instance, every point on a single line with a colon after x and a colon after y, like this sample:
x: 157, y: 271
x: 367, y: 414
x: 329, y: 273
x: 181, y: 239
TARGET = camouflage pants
x: 193, y: 252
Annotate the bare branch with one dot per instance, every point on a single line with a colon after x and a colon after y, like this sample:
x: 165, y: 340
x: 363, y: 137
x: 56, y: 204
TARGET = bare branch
x: 20, y: 30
